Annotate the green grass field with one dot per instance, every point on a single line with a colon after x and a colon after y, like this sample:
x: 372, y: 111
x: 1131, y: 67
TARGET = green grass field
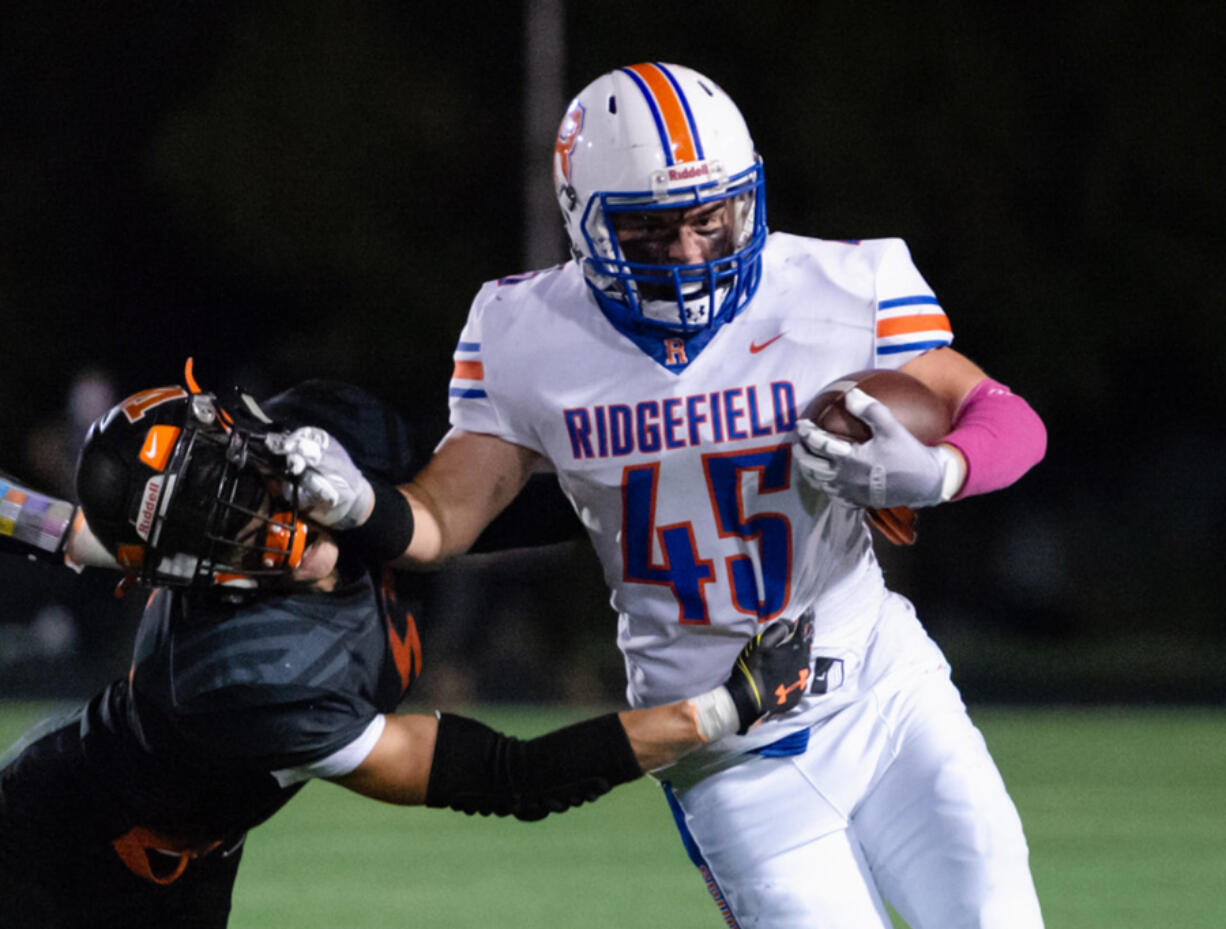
x: 1125, y: 810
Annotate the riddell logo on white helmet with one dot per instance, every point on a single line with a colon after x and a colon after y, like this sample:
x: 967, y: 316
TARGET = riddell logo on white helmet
x: 148, y: 506
x: 686, y: 172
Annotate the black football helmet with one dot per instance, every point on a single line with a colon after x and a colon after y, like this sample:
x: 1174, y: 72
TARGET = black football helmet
x: 182, y: 492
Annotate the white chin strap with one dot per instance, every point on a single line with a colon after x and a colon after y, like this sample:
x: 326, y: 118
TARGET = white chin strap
x: 178, y: 565
x: 184, y: 566
x: 698, y: 310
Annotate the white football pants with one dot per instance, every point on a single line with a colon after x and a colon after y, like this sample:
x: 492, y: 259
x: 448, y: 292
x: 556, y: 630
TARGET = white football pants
x: 896, y: 797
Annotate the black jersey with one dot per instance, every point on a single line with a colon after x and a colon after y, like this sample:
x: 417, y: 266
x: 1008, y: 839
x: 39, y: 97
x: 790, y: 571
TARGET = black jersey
x: 220, y: 695
x: 131, y: 812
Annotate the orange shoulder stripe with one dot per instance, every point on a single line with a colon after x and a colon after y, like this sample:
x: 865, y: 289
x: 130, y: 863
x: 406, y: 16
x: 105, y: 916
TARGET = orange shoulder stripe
x: 902, y: 325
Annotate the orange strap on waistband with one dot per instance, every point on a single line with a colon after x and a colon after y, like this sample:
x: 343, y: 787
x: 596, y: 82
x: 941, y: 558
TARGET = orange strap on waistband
x: 138, y: 847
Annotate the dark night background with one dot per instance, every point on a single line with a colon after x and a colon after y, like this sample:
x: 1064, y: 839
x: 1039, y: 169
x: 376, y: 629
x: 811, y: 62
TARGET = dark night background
x: 285, y: 190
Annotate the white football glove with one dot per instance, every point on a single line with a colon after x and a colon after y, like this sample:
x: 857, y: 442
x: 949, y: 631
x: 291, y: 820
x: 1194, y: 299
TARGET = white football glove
x: 892, y: 468
x: 331, y: 489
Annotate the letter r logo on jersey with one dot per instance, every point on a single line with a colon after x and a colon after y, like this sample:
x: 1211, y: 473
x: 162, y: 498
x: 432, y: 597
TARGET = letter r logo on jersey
x: 674, y: 350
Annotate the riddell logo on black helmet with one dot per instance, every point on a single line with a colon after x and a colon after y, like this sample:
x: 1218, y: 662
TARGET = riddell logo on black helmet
x: 148, y: 506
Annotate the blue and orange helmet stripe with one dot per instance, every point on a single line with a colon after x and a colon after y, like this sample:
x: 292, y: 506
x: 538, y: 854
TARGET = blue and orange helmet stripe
x: 670, y: 110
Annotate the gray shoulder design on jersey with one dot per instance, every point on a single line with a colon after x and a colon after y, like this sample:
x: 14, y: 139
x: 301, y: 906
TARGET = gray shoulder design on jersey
x: 273, y: 651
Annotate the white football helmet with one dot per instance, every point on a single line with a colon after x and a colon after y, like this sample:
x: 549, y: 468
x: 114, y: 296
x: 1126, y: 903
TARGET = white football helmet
x: 659, y: 136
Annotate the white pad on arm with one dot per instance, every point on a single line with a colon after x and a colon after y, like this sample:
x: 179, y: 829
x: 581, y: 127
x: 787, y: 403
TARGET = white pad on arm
x: 340, y: 762
x: 715, y: 714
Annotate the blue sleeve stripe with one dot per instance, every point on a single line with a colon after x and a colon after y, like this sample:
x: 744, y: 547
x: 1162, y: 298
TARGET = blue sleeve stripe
x: 468, y: 347
x: 467, y: 393
x: 911, y: 346
x: 916, y: 300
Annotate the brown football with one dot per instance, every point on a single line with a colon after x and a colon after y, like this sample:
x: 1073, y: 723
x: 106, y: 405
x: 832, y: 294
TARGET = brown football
x: 915, y: 406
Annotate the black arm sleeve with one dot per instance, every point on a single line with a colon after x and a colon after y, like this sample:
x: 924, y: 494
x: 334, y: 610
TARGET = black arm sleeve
x: 478, y: 770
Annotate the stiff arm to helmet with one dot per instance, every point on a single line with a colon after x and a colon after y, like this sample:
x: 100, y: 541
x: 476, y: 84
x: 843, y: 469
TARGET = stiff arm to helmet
x: 330, y: 485
x: 370, y: 516
x: 181, y: 492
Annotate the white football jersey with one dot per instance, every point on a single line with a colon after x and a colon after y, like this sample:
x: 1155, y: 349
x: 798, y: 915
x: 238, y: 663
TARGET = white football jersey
x: 681, y: 468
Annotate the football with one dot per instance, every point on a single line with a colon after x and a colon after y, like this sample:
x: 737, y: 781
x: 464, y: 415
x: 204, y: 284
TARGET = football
x: 915, y: 406
x: 921, y: 411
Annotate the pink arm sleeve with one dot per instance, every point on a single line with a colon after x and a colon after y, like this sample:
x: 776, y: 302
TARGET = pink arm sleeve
x: 999, y: 435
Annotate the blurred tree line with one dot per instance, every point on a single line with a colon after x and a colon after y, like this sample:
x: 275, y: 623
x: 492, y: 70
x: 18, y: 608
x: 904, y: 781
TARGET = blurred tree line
x: 286, y: 190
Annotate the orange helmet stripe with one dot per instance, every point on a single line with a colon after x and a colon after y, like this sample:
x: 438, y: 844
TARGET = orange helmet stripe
x: 671, y: 109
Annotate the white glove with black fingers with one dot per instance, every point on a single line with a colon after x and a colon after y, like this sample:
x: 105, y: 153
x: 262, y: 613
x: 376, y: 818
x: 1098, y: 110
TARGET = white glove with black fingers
x: 332, y: 490
x: 891, y: 468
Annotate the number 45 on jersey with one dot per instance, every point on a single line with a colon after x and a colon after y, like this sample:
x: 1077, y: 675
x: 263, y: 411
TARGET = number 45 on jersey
x: 757, y: 576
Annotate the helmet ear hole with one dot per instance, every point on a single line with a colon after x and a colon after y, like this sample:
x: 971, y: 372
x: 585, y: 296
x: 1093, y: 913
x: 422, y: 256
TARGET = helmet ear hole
x: 182, y: 499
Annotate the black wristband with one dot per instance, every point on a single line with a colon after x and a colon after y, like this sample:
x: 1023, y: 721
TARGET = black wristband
x: 748, y: 709
x: 388, y: 531
x: 478, y: 770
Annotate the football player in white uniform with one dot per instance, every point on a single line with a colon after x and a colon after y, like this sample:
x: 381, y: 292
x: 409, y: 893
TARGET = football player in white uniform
x: 663, y: 374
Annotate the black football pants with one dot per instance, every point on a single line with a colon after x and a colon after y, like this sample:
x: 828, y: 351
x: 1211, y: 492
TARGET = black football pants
x: 58, y: 869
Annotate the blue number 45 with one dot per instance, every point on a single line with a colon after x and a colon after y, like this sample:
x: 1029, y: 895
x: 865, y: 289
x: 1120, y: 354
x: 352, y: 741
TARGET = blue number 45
x: 758, y: 576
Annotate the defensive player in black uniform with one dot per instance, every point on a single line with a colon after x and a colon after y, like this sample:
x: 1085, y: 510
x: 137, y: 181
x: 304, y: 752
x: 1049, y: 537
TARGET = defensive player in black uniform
x: 267, y: 656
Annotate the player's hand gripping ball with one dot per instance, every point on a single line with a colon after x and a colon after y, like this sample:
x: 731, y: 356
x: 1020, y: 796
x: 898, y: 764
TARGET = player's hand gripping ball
x: 868, y: 439
x: 331, y: 489
x: 771, y: 674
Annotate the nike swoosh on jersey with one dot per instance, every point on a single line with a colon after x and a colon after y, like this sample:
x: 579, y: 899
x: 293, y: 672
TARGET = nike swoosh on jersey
x: 754, y: 347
